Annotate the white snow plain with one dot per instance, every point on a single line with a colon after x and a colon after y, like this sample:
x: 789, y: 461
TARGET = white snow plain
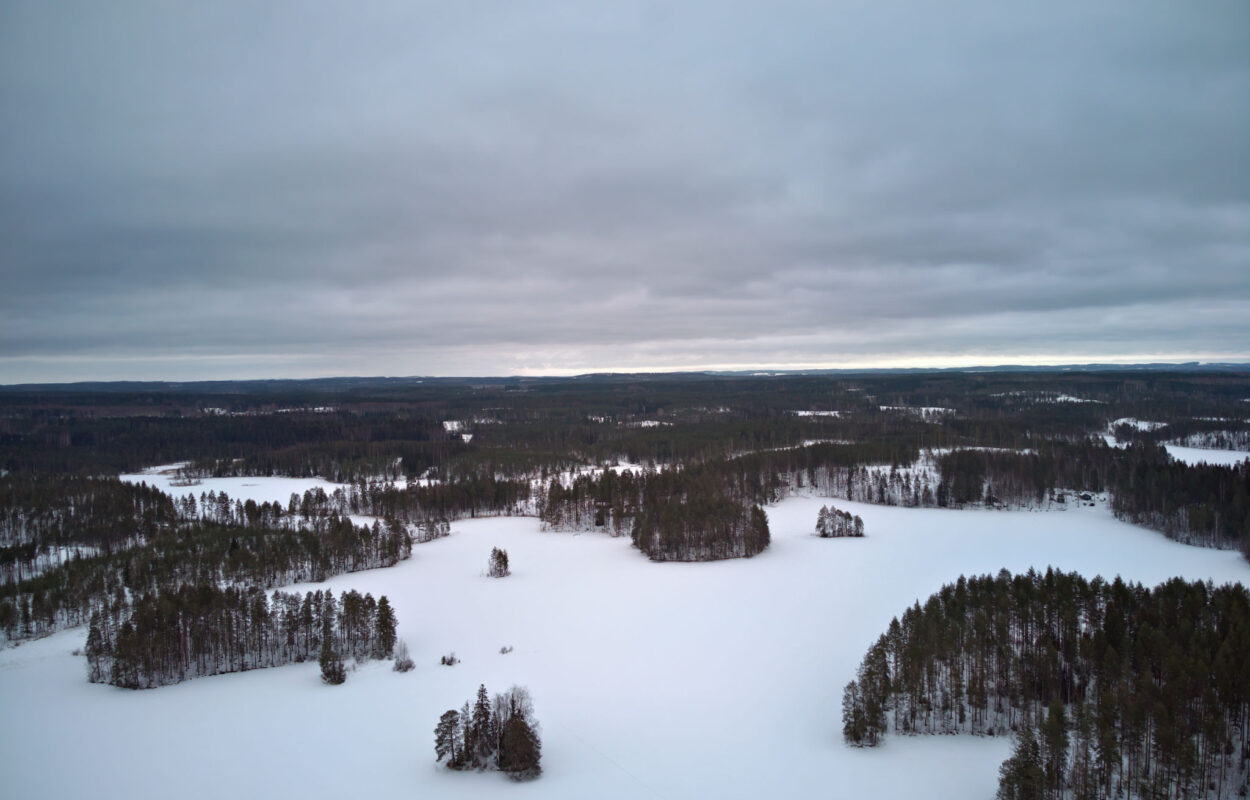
x: 1202, y: 455
x: 261, y: 490
x: 670, y: 680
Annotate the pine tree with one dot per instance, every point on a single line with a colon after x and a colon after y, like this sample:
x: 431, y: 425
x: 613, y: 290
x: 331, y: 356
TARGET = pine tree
x: 854, y: 721
x: 483, y: 742
x: 1055, y: 746
x: 498, y: 566
x: 332, y: 670
x: 1021, y: 776
x: 97, y: 651
x: 445, y: 745
x: 384, y: 629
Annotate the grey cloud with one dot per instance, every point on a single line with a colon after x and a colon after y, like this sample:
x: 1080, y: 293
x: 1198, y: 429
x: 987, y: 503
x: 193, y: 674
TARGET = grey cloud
x: 309, y: 189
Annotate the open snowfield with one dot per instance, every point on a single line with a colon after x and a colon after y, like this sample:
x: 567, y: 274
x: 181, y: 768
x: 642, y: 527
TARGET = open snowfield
x: 262, y: 490
x: 1203, y: 455
x: 650, y: 680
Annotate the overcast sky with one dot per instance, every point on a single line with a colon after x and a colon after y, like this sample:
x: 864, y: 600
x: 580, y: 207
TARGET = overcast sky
x: 221, y: 189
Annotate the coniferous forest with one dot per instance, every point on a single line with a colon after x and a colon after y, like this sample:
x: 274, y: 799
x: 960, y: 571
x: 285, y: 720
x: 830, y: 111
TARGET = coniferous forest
x: 166, y: 637
x: 1111, y: 689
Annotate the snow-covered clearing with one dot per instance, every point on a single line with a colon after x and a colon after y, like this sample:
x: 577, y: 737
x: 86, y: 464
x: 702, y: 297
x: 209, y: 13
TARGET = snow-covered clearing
x: 1199, y: 455
x: 262, y: 490
x: 650, y: 680
x: 816, y: 413
x: 920, y: 410
x: 1139, y: 424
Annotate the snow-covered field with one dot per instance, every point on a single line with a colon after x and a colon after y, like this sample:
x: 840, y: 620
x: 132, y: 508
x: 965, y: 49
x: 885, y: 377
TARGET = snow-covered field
x: 650, y: 680
x: 1202, y: 455
x: 262, y: 490
x: 1194, y: 455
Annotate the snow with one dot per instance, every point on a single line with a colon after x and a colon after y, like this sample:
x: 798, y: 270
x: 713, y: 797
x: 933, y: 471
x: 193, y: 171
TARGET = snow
x: 921, y: 410
x: 816, y: 413
x: 1198, y: 455
x: 452, y: 425
x: 650, y: 680
x: 1139, y: 424
x: 261, y: 490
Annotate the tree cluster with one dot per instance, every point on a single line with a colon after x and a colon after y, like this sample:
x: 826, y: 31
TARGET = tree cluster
x: 168, y: 636
x: 498, y: 564
x: 162, y: 549
x: 492, y: 734
x: 1117, y: 690
x: 831, y: 523
x: 700, y: 513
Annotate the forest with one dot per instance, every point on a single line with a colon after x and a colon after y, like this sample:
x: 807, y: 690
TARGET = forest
x: 1111, y: 689
x: 680, y: 464
x: 168, y: 636
x: 156, y: 544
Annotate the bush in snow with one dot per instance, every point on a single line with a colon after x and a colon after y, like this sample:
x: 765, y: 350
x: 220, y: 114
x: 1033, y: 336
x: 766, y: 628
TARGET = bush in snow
x: 403, y: 661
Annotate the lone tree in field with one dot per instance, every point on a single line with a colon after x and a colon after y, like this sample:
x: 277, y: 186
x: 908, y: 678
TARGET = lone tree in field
x: 498, y: 563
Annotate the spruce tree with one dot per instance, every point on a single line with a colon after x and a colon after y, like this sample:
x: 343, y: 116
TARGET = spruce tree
x: 520, y: 749
x: 483, y: 742
x: 384, y: 629
x: 332, y: 670
x: 1021, y: 776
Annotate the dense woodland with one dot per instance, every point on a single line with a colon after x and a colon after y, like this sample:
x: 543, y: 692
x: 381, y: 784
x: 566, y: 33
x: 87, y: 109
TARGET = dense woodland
x: 701, y: 455
x: 166, y: 637
x: 158, y: 544
x: 1115, y: 690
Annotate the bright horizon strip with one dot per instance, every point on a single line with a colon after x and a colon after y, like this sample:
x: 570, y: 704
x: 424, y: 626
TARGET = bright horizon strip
x: 287, y: 367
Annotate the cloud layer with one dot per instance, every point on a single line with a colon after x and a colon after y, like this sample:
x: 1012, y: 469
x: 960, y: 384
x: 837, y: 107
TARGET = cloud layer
x: 232, y: 190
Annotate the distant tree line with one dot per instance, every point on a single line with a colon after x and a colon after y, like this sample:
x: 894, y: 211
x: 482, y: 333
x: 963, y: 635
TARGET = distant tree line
x: 168, y: 636
x: 1116, y: 690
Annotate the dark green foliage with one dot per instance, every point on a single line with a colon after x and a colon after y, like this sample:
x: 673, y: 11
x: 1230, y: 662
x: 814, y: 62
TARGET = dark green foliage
x: 498, y: 565
x: 332, y: 670
x: 832, y: 524
x: 1021, y: 777
x: 160, y: 544
x: 499, y: 734
x: 520, y: 750
x: 446, y: 738
x: 1115, y: 688
x: 165, y: 637
x: 384, y: 629
x: 701, y: 513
